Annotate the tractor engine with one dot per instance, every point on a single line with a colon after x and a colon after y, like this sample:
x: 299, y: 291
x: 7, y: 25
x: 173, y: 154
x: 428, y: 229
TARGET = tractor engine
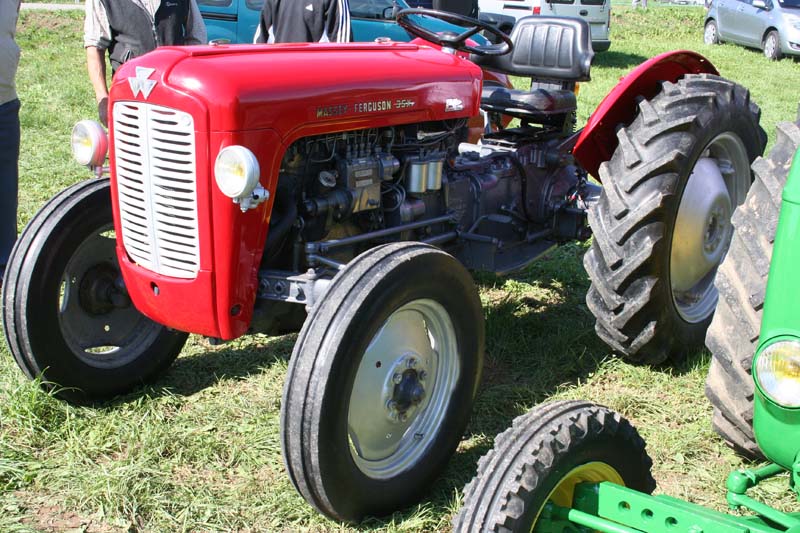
x: 340, y: 194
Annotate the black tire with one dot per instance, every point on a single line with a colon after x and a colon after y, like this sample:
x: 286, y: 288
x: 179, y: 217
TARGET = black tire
x: 516, y: 478
x: 772, y: 46
x: 711, y: 33
x: 631, y: 294
x: 38, y: 321
x: 316, y: 441
x: 741, y: 281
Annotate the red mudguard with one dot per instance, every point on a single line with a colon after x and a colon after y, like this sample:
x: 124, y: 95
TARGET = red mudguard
x: 598, y: 140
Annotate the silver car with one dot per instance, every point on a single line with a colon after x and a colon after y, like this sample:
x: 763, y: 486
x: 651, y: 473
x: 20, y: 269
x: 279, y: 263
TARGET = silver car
x: 771, y: 25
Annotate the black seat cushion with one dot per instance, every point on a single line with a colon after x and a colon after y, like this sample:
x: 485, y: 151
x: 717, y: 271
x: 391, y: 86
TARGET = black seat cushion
x: 528, y: 104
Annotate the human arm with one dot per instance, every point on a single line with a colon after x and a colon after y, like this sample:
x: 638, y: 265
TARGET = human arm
x: 195, y: 27
x: 337, y: 21
x: 96, y: 65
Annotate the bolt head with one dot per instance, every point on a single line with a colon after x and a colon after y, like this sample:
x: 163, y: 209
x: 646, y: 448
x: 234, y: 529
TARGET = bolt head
x: 422, y: 375
x: 412, y: 362
x: 397, y: 378
x: 391, y: 405
x: 403, y: 417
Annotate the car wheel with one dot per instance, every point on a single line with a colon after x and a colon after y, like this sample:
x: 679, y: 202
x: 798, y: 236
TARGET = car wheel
x: 66, y: 314
x: 382, y: 381
x: 542, y: 458
x: 772, y: 46
x: 710, y: 34
x: 662, y: 224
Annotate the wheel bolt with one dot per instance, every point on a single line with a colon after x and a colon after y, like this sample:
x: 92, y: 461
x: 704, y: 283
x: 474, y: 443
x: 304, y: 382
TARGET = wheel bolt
x: 422, y: 375
x: 397, y: 378
x: 412, y: 363
x: 392, y: 405
x: 403, y: 417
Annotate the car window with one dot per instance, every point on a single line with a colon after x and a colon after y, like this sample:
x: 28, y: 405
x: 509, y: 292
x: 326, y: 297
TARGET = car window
x: 215, y: 3
x: 560, y: 1
x: 593, y: 2
x: 370, y: 9
x: 255, y: 4
x: 789, y: 3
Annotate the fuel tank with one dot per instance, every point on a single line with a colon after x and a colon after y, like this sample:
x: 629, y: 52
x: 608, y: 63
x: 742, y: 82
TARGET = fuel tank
x: 291, y: 87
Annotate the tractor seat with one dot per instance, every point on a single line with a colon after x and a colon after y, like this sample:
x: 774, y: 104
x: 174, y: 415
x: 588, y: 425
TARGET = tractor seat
x: 535, y: 105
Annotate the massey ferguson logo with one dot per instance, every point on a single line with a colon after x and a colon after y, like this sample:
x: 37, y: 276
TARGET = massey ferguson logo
x: 141, y: 83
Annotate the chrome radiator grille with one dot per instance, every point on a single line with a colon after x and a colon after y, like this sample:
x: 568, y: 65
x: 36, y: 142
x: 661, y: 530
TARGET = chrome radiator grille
x: 154, y: 150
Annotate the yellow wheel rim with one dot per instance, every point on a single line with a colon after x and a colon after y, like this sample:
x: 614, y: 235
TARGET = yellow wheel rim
x: 594, y: 472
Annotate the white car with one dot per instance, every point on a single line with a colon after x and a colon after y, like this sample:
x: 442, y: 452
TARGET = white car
x: 596, y: 12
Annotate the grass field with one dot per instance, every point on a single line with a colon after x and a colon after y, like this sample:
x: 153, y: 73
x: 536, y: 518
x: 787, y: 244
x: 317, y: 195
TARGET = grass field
x: 199, y: 450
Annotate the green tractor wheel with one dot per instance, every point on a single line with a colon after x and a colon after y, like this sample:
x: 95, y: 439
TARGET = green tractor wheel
x: 541, y: 459
x: 741, y: 281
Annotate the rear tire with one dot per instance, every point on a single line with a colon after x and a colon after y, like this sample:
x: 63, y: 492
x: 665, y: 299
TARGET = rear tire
x: 772, y: 46
x: 382, y: 381
x: 680, y: 169
x: 552, y: 446
x: 66, y: 315
x: 741, y: 281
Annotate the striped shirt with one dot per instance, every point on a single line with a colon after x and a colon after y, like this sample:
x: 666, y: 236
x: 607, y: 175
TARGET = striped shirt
x: 304, y: 21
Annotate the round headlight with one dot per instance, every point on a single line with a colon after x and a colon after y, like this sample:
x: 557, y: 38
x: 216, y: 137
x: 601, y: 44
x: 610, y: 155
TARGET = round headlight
x: 89, y: 143
x: 236, y: 171
x: 778, y: 372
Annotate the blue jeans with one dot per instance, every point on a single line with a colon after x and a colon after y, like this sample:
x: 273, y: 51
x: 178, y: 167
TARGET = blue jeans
x: 9, y: 178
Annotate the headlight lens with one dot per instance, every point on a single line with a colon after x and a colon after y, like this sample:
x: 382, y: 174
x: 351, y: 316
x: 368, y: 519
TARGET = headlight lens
x: 89, y: 143
x: 236, y: 171
x: 778, y: 372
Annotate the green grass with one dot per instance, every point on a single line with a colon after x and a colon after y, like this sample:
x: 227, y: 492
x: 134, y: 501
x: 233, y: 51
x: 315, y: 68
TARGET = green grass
x: 199, y: 450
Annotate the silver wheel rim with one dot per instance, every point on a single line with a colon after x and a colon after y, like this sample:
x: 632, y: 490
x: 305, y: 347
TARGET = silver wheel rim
x: 717, y: 185
x: 402, y: 390
x: 770, y: 45
x: 710, y: 33
x: 97, y: 320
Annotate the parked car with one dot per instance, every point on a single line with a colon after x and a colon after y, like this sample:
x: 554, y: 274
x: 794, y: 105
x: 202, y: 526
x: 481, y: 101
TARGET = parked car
x: 596, y: 12
x: 235, y: 21
x: 771, y: 25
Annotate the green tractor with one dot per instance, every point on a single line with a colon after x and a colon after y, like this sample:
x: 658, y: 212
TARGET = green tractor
x: 574, y: 466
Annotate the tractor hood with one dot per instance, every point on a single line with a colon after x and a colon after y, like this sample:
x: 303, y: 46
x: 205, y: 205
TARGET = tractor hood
x: 288, y: 86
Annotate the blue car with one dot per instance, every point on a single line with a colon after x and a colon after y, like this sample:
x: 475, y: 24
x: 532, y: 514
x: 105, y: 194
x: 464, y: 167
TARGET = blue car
x: 235, y: 21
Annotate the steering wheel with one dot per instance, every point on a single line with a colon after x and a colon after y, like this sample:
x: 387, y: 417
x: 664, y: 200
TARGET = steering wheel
x: 453, y: 41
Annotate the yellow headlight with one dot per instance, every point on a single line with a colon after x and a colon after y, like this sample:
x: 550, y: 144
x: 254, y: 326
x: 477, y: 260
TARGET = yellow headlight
x: 236, y: 171
x: 89, y: 143
x: 778, y: 372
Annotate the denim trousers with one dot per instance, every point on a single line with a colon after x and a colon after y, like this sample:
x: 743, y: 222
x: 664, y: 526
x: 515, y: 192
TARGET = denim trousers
x: 9, y: 177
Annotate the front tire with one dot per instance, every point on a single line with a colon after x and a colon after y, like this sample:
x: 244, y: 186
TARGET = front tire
x: 662, y: 224
x: 382, y: 381
x: 541, y: 458
x: 66, y: 314
x: 711, y: 33
x: 772, y: 46
x: 741, y: 281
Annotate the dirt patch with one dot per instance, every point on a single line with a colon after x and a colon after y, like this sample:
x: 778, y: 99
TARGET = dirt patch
x: 45, y: 516
x: 58, y: 22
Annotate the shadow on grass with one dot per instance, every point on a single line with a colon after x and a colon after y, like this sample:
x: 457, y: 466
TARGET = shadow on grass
x: 616, y: 59
x: 193, y: 373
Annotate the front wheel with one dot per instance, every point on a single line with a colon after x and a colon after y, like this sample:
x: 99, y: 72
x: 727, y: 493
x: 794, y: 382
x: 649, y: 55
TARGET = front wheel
x: 772, y: 46
x: 710, y: 33
x: 663, y: 222
x: 66, y: 314
x: 382, y: 381
x: 541, y: 459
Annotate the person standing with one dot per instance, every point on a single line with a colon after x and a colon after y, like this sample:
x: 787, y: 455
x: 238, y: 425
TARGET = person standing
x: 635, y: 3
x: 131, y: 28
x: 9, y: 129
x: 306, y: 21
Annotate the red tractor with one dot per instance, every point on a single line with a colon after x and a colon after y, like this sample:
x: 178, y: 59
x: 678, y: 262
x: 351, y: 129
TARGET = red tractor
x: 332, y: 189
